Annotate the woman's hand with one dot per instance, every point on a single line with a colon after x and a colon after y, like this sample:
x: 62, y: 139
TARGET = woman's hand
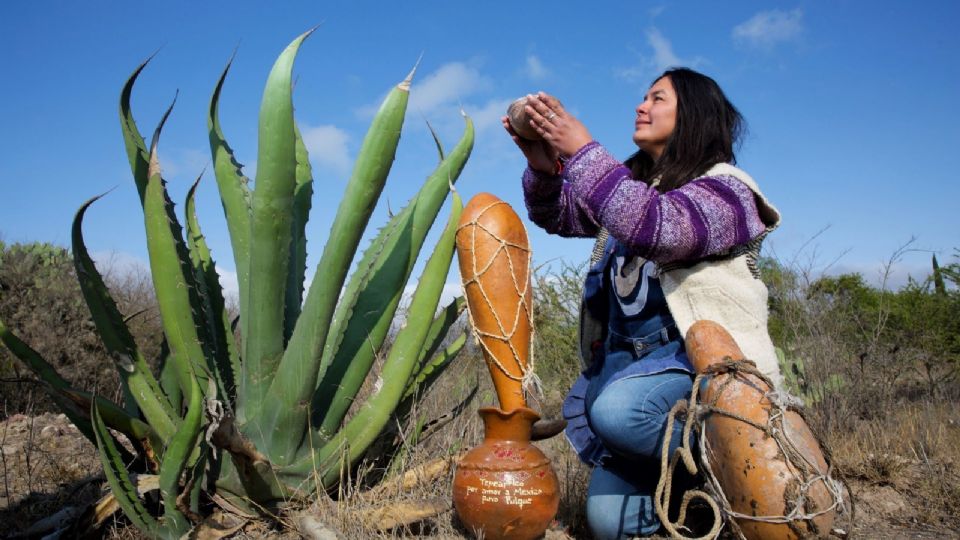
x: 560, y: 129
x: 540, y: 155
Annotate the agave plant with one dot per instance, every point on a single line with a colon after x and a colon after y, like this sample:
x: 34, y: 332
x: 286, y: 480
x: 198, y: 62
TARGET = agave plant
x: 258, y: 416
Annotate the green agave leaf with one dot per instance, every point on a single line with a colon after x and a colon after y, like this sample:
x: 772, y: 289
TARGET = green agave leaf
x: 297, y: 375
x: 234, y: 191
x: 439, y: 329
x: 333, y: 367
x: 54, y: 383
x: 357, y: 435
x: 137, y: 152
x: 123, y: 489
x: 168, y: 376
x: 422, y: 430
x: 371, y: 298
x: 139, y: 432
x: 222, y: 345
x: 179, y: 451
x: 173, y: 278
x: 197, y: 478
x: 436, y: 140
x: 432, y: 370
x: 140, y: 387
x: 302, y: 194
x: 271, y: 226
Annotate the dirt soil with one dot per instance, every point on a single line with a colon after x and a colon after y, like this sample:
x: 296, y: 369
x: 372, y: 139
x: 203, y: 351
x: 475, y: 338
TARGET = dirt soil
x: 48, y: 466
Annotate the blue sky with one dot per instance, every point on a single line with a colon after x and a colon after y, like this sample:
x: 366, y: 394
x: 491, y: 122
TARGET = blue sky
x: 852, y: 106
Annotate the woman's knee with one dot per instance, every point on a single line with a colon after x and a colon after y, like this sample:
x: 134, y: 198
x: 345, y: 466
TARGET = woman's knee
x: 630, y: 414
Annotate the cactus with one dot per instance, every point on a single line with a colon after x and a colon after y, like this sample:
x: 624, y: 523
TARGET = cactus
x: 264, y: 420
x: 796, y: 382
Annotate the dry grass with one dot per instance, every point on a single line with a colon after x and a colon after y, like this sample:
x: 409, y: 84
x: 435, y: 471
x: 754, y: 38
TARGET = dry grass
x: 915, y: 450
x: 893, y: 430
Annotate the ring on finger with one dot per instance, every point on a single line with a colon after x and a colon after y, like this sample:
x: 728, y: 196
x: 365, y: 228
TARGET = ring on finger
x: 551, y: 117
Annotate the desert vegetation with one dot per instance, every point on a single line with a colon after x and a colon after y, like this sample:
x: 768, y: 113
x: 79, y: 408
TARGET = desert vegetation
x: 338, y: 410
x: 877, y: 368
x: 253, y: 412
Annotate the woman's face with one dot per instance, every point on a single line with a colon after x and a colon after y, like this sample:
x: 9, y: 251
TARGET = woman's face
x: 656, y: 118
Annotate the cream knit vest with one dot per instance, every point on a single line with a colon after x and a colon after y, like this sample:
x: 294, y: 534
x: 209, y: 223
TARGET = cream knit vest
x: 727, y: 288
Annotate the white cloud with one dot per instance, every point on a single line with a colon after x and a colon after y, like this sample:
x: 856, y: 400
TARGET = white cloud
x: 183, y: 163
x: 327, y: 145
x: 535, y: 68
x: 767, y: 29
x: 489, y: 114
x: 449, y: 84
x: 656, y: 11
x: 662, y: 57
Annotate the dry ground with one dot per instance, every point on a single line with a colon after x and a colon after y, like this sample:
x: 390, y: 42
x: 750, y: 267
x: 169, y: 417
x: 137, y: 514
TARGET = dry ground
x: 48, y: 465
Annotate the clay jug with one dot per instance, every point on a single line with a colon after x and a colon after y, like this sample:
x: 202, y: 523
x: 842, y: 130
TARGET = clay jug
x: 494, y: 257
x: 750, y: 466
x: 505, y: 488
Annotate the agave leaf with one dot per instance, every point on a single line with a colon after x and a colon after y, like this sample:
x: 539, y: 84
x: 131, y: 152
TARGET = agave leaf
x: 430, y: 371
x: 436, y: 140
x: 138, y: 431
x: 357, y: 435
x: 179, y: 451
x: 140, y: 387
x: 222, y: 345
x: 173, y: 278
x: 422, y: 429
x: 439, y: 329
x: 371, y: 298
x: 168, y: 376
x: 137, y: 152
x: 124, y: 491
x: 234, y: 190
x: 398, y: 231
x: 297, y: 375
x: 55, y: 384
x: 302, y: 194
x: 197, y: 479
x: 270, y: 228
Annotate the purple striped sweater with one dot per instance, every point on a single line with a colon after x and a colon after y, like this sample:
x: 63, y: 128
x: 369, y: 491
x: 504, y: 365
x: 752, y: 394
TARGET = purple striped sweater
x: 704, y: 217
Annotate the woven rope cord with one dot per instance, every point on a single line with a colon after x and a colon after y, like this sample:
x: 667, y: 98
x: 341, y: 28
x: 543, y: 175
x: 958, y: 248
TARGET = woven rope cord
x: 695, y: 415
x: 527, y: 377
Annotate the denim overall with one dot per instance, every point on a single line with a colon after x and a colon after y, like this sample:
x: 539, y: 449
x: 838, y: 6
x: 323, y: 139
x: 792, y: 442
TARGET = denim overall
x: 617, y: 410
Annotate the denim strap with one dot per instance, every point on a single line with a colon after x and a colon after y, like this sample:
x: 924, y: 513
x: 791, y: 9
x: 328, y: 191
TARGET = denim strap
x: 643, y: 345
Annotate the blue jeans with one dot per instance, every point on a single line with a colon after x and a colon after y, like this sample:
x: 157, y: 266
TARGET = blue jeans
x: 630, y: 418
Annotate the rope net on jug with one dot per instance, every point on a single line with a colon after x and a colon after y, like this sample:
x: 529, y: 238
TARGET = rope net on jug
x: 795, y: 496
x: 504, y: 331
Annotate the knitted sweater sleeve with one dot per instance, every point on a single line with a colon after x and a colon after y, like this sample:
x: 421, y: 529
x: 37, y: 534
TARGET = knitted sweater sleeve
x: 553, y: 205
x: 703, y: 217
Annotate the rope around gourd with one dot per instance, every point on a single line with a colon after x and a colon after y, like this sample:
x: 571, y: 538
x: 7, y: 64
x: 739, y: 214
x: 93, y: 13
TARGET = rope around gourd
x: 527, y: 378
x: 695, y: 414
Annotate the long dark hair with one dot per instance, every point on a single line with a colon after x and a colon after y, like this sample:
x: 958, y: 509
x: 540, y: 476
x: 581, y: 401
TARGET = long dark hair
x: 707, y: 129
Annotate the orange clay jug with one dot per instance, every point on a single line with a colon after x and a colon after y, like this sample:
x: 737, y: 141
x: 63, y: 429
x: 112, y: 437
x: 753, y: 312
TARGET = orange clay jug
x: 761, y: 457
x: 504, y: 488
x: 494, y: 258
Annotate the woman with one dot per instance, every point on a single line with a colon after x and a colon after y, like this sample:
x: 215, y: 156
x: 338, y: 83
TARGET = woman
x: 678, y: 230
